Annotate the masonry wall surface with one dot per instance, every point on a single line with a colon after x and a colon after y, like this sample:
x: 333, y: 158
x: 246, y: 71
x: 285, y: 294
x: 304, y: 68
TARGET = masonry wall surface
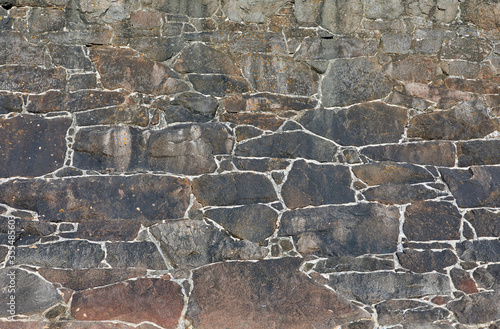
x: 250, y: 164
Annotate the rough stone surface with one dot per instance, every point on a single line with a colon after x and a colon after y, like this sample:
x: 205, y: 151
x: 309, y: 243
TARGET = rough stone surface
x: 479, y: 250
x: 391, y: 173
x: 408, y: 313
x: 431, y: 153
x: 134, y: 255
x: 400, y: 194
x: 426, y: 261
x: 476, y: 308
x: 476, y: 153
x: 486, y: 223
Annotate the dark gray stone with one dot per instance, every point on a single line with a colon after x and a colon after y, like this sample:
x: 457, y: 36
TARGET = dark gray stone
x: 314, y: 185
x: 468, y: 48
x: 14, y: 49
x: 10, y: 103
x: 192, y: 8
x: 400, y: 194
x: 252, y: 222
x: 413, y: 69
x: 218, y: 84
x: 142, y: 254
x: 426, y: 261
x: 476, y: 153
x: 391, y: 173
x: 486, y: 223
x: 200, y: 58
x: 476, y: 308
x: 315, y: 48
x: 409, y: 313
x: 261, y: 165
x: 371, y: 123
x: 70, y: 57
x: 349, y: 263
x: 103, y: 230
x: 488, y: 277
x: 31, y: 79
x: 343, y: 230
x: 197, y: 103
x: 133, y: 115
x: 479, y: 250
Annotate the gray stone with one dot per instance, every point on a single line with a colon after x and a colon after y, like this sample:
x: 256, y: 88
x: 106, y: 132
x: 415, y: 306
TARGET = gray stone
x: 31, y: 79
x: 412, y: 69
x: 103, y: 230
x: 391, y: 173
x: 426, y: 261
x: 486, y: 223
x: 308, y: 11
x: 475, y: 153
x: 383, y: 9
x: 233, y: 189
x: 409, y: 313
x: 430, y: 153
x: 70, y: 57
x: 370, y: 288
x: 445, y: 11
x: 476, y: 308
x: 313, y: 185
x: 314, y: 48
x: 341, y: 16
x: 349, y: 263
x: 105, y: 11
x: 261, y: 165
x: 400, y: 194
x: 26, y: 286
x: 253, y: 42
x: 349, y: 81
x: 218, y: 84
x: 467, y: 48
x: 10, y: 103
x: 158, y: 48
x: 371, y: 123
x: 46, y: 20
x: 367, y: 228
x: 295, y: 144
x: 252, y: 222
x: 132, y: 115
x: 479, y: 250
x: 62, y: 254
x: 396, y: 43
x: 143, y: 255
x: 488, y: 277
x: 199, y: 58
x: 192, y: 243
x: 14, y: 49
x: 252, y: 11
x: 197, y: 103
x: 192, y: 8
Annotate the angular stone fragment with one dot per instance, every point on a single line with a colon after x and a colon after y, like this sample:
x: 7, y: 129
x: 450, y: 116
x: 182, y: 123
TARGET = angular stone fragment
x: 314, y: 185
x: 432, y: 220
x: 426, y: 153
x: 70, y: 57
x: 134, y: 115
x: 370, y: 288
x: 488, y: 277
x: 472, y: 49
x: 445, y: 98
x: 265, y: 294
x: 14, y: 49
x: 356, y: 80
x: 280, y: 75
x: 468, y: 120
x: 265, y: 121
x: 200, y: 58
x: 400, y: 194
x: 475, y: 187
x: 31, y: 79
x: 62, y: 254
x: 157, y: 300
x: 486, y: 223
x: 445, y: 11
x: 484, y: 14
x: 426, y: 261
x: 264, y: 102
x: 479, y: 86
x: 479, y: 250
x: 412, y: 69
x: 371, y: 123
x: 26, y: 286
x: 308, y: 11
x: 113, y: 197
x: 349, y: 263
x: 82, y: 279
x: 32, y: 146
x: 252, y: 222
x: 341, y: 16
x: 396, y: 42
x: 10, y: 103
x: 408, y: 313
x: 46, y: 20
x: 391, y: 173
x: 141, y: 254
x: 462, y: 281
x: 218, y: 84
x: 105, y: 230
x: 158, y: 48
x: 476, y: 308
x: 295, y: 144
x: 254, y: 11
x: 123, y: 68
x: 261, y: 165
x: 367, y: 228
x: 197, y: 103
x: 191, y: 8
x: 386, y: 10
x: 315, y: 48
x: 233, y: 189
x: 192, y: 243
x: 474, y: 153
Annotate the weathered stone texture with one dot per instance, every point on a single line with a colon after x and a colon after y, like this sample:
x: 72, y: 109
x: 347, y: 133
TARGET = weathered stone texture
x: 431, y: 153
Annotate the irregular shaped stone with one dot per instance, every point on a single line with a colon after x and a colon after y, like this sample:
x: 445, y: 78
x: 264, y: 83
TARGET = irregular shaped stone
x: 82, y: 279
x: 218, y: 84
x: 123, y: 68
x: 248, y: 303
x: 469, y: 48
x: 349, y: 263
x: 246, y: 132
x: 396, y: 42
x: 391, y: 173
x: 295, y: 144
x: 308, y: 11
x: 253, y: 42
x: 31, y: 79
x: 26, y: 286
x: 432, y: 220
x: 400, y: 194
x: 158, y: 48
x: 383, y: 9
x: 371, y: 123
x: 479, y: 86
x: 67, y: 325
x: 133, y: 115
x: 26, y: 231
x: 468, y: 120
x: 261, y: 165
x: 46, y: 20
x: 141, y: 254
x: 200, y: 58
x: 264, y: 102
x: 197, y: 103
x: 112, y: 197
x: 474, y: 153
x: 314, y: 48
x: 192, y: 243
x: 10, y: 103
x: 105, y: 11
x: 488, y: 277
x: 80, y: 81
x: 486, y: 223
x: 367, y: 228
x: 462, y: 281
x: 479, y: 250
x: 62, y: 254
x: 445, y: 11
x: 408, y: 312
x: 476, y: 308
x: 252, y: 222
x: 157, y: 300
x: 484, y: 14
x: 280, y: 75
x: 70, y: 57
x: 475, y: 187
x: 105, y: 230
x: 253, y: 11
x: 412, y: 69
x: 14, y: 49
x: 341, y: 17
x: 265, y: 121
x: 314, y: 185
x: 32, y: 146
x: 426, y: 261
x: 370, y: 288
x: 426, y: 153
x: 233, y: 189
x: 356, y: 80
x: 191, y: 8
x: 445, y: 98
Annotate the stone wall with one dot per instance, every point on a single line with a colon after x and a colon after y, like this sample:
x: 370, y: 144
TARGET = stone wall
x: 250, y: 164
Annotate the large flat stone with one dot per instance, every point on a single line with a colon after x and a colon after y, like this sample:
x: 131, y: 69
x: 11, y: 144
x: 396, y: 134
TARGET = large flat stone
x: 479, y: 250
x: 142, y: 197
x: 486, y: 223
x: 32, y: 146
x: 295, y: 144
x: 314, y: 185
x: 200, y: 58
x: 31, y: 79
x: 192, y: 8
x: 476, y: 308
x: 265, y: 102
x: 400, y: 194
x: 350, y: 81
x: 475, y: 187
x: 105, y: 230
x: 14, y: 49
x: 391, y: 173
x: 372, y: 123
x: 253, y: 11
x: 409, y: 313
x: 343, y: 230
x: 315, y: 48
x: 468, y: 48
x: 141, y: 254
x: 412, y: 69
x: 341, y: 16
x: 265, y: 294
x: 427, y: 260
x: 476, y: 153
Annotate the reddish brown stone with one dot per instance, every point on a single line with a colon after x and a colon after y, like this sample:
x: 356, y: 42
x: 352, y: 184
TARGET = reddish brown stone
x: 413, y: 69
x: 157, y: 300
x: 260, y: 120
x: 481, y: 86
x: 63, y: 325
x: 267, y: 294
x: 462, y: 281
x: 89, y: 278
x: 485, y: 14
